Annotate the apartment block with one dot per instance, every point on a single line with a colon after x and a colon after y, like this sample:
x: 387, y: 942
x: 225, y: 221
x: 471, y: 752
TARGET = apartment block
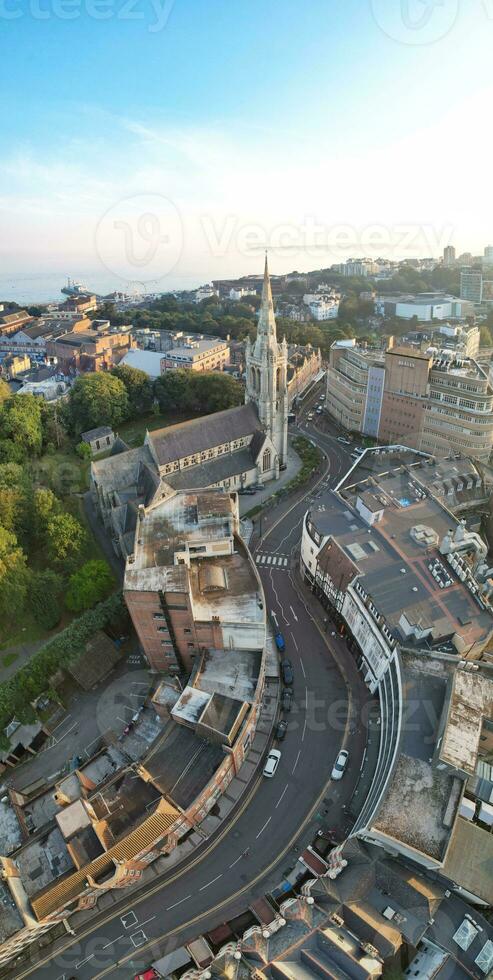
x: 436, y: 401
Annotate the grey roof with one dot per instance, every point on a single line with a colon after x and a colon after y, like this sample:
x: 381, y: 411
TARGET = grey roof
x: 98, y: 433
x: 197, y: 435
x: 214, y: 471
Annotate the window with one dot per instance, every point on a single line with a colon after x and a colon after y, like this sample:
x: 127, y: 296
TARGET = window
x: 187, y: 630
x: 266, y: 461
x: 158, y: 615
x: 162, y: 629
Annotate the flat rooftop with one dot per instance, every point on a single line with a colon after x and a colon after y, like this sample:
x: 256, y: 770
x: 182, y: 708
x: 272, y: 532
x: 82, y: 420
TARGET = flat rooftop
x: 231, y: 593
x: 182, y: 764
x: 42, y: 861
x: 184, y: 518
x: 232, y: 673
x: 471, y: 700
x: 11, y: 920
x: 394, y: 566
x: 469, y: 859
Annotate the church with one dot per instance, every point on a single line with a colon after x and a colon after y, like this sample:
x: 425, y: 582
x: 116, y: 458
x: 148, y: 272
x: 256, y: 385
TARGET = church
x: 232, y: 449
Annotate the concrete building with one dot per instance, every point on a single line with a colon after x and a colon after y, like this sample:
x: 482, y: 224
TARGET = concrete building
x: 205, y: 292
x: 231, y: 449
x: 423, y: 306
x: 449, y: 255
x: 149, y: 361
x: 98, y: 348
x: 488, y: 257
x: 206, y: 354
x: 436, y: 400
x: 471, y: 285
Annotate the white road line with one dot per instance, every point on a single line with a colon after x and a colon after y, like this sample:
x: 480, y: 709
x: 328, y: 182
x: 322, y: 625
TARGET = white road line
x: 146, y: 921
x: 295, y: 643
x: 140, y: 934
x: 257, y: 559
x: 302, y: 665
x: 178, y: 903
x: 297, y: 760
x: 210, y: 882
x: 60, y: 723
x: 304, y: 730
x: 129, y: 920
x: 263, y: 559
x: 263, y: 828
x: 274, y: 617
x: 274, y: 560
x: 285, y: 562
x: 294, y: 614
x: 236, y: 862
x: 113, y: 941
x: 78, y: 965
x: 306, y: 698
x: 282, y: 794
x: 269, y: 559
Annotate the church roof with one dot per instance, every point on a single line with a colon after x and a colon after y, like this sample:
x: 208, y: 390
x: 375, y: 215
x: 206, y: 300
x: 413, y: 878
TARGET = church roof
x: 197, y: 435
x: 266, y: 330
x: 213, y: 471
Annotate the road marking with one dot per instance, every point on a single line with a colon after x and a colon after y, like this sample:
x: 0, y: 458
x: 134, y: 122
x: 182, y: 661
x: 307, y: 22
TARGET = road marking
x: 144, y: 923
x: 263, y: 560
x: 302, y: 665
x: 295, y: 643
x: 294, y: 614
x: 128, y: 920
x: 269, y: 559
x: 274, y: 617
x: 210, y: 882
x: 257, y: 559
x: 304, y: 730
x: 282, y: 794
x: 297, y: 760
x: 141, y: 936
x: 113, y: 941
x: 236, y: 862
x: 78, y: 965
x: 178, y: 903
x: 274, y: 560
x: 263, y: 828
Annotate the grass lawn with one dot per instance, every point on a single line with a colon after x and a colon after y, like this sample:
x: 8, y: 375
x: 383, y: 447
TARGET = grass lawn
x: 133, y: 432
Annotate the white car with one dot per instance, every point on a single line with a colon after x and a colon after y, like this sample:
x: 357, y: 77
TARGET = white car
x: 345, y: 442
x: 272, y: 763
x: 310, y: 416
x: 340, y: 765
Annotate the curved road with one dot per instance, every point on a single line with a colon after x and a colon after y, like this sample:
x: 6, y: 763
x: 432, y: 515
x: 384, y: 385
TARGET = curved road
x: 279, y: 816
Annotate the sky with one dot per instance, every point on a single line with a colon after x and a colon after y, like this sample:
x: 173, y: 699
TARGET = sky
x: 167, y: 142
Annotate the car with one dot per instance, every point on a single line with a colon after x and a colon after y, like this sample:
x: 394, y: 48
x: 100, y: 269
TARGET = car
x: 286, y: 699
x: 322, y: 398
x: 280, y: 642
x: 310, y: 416
x: 319, y: 410
x: 281, y: 729
x: 340, y: 765
x: 287, y: 672
x: 345, y: 442
x: 247, y: 490
x: 355, y: 455
x: 272, y: 763
x: 149, y: 974
x: 257, y: 486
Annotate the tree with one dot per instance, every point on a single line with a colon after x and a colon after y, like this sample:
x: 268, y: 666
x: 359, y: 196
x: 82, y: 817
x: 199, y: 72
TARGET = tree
x: 45, y: 506
x: 172, y: 391
x: 65, y: 536
x: 5, y: 391
x: 97, y: 399
x: 138, y: 387
x: 44, y: 598
x: 214, y: 391
x: 13, y: 576
x: 15, y: 500
x: 485, y: 336
x: 20, y: 421
x: 88, y: 585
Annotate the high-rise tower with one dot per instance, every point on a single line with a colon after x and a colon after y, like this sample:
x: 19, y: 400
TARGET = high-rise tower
x: 266, y: 374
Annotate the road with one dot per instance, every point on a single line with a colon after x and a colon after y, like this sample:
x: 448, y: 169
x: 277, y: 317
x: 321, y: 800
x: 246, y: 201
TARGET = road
x: 279, y: 816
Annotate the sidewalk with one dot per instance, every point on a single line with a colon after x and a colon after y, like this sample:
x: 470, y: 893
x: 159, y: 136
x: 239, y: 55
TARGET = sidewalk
x: 293, y: 467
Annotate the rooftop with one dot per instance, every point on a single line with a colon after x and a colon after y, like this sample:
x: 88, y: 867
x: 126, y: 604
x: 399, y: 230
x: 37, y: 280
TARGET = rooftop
x: 469, y: 859
x: 196, y: 435
x: 471, y: 700
x: 182, y: 764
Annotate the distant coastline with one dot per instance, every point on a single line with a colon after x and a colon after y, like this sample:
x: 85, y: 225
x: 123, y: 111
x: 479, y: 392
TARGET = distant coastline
x: 26, y: 289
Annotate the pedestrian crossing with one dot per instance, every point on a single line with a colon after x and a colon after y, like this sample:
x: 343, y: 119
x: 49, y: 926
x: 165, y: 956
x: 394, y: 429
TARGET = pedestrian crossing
x: 275, y: 561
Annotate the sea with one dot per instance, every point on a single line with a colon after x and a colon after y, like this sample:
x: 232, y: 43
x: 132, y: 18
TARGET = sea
x: 33, y: 288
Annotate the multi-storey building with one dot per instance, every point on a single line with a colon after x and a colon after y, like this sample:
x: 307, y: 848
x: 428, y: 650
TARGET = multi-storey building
x: 98, y: 348
x: 449, y: 255
x: 198, y: 355
x: 423, y: 306
x: 435, y: 401
x: 471, y: 285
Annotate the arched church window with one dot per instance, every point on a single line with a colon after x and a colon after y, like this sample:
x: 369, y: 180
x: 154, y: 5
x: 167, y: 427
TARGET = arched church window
x: 266, y: 464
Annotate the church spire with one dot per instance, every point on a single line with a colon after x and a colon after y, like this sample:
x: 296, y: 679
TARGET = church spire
x: 266, y: 324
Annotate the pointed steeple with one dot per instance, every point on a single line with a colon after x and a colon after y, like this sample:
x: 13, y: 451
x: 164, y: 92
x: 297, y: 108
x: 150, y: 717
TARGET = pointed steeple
x: 266, y: 332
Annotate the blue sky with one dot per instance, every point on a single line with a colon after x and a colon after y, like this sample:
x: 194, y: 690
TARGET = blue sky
x: 363, y: 126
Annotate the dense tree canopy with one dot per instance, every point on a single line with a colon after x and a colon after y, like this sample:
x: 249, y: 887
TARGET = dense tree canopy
x: 20, y: 422
x: 13, y: 576
x: 138, y: 387
x: 96, y: 399
x: 189, y: 391
x: 88, y: 585
x: 65, y: 536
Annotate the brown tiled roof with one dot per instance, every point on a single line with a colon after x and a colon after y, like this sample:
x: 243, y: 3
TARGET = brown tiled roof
x: 61, y: 894
x: 186, y: 438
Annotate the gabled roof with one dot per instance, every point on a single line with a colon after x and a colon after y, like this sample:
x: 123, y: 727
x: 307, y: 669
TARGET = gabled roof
x: 197, y: 435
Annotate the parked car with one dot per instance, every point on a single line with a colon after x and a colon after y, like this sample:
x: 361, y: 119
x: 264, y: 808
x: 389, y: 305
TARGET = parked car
x: 280, y: 642
x: 322, y: 398
x: 281, y: 729
x: 340, y: 765
x: 247, y: 490
x: 286, y: 699
x: 149, y: 974
x: 345, y: 442
x: 310, y: 416
x: 319, y: 410
x: 272, y: 763
x: 287, y: 672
